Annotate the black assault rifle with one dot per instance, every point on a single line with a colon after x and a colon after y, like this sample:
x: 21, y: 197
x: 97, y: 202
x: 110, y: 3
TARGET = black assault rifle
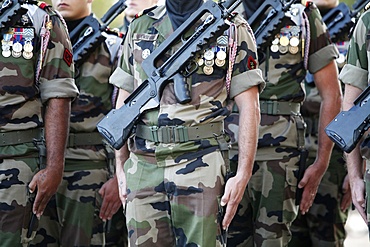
x: 10, y: 12
x: 268, y: 19
x: 92, y: 36
x: 347, y: 128
x: 340, y: 20
x: 117, y: 126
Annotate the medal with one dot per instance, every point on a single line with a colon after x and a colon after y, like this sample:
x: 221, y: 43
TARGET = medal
x: 221, y: 55
x: 6, y: 53
x: 209, y: 55
x: 274, y: 48
x: 17, y: 47
x: 28, y: 46
x: 27, y: 55
x: 219, y: 62
x: 284, y: 41
x: 145, y: 53
x: 209, y: 63
x: 16, y: 54
x: 200, y: 61
x: 275, y: 41
x: 294, y: 41
x: 208, y: 70
x: 283, y: 49
x: 293, y: 49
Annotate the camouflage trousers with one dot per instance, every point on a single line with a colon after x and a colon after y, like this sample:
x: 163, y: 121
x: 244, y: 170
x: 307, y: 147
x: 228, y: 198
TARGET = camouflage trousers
x: 367, y: 198
x: 174, y: 205
x: 16, y: 201
x: 323, y: 225
x: 72, y: 218
x: 268, y: 207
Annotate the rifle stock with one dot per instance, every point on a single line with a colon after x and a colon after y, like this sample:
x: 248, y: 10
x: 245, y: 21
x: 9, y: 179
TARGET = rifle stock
x: 118, y: 124
x: 347, y: 128
x: 268, y: 19
x: 92, y: 29
x: 10, y: 12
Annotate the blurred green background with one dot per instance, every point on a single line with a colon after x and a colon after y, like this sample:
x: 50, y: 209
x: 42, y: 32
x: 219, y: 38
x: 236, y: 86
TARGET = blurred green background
x: 101, y: 6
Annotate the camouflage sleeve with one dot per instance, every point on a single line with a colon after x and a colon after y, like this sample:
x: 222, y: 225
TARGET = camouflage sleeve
x: 355, y: 72
x: 321, y: 51
x: 122, y: 76
x: 245, y: 71
x: 56, y: 77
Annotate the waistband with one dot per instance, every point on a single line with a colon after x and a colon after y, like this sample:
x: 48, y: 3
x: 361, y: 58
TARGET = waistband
x: 179, y: 134
x: 20, y: 136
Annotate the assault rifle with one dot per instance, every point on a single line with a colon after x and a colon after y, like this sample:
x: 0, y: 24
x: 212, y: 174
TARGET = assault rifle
x: 340, y: 20
x: 10, y: 12
x: 347, y: 128
x: 268, y: 19
x: 118, y: 124
x: 92, y: 29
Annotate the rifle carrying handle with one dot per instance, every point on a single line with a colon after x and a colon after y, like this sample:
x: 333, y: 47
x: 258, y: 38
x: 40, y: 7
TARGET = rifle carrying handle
x: 181, y: 87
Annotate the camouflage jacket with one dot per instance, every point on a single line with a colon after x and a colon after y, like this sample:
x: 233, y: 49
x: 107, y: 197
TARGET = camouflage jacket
x: 356, y: 71
x: 94, y: 101
x: 21, y: 99
x: 208, y: 92
x: 284, y: 71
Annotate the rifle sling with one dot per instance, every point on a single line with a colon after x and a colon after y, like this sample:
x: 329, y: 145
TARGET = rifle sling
x: 179, y: 134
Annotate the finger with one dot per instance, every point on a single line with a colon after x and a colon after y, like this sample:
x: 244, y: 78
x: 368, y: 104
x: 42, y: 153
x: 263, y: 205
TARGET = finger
x: 229, y: 214
x: 303, y: 182
x: 104, y: 210
x: 32, y: 184
x: 40, y: 204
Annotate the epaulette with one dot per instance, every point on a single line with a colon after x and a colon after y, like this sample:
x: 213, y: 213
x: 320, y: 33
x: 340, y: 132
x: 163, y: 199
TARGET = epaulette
x: 367, y: 6
x: 143, y: 12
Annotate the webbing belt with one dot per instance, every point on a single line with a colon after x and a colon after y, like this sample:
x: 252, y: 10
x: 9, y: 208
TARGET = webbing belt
x: 20, y: 136
x: 84, y: 139
x: 178, y: 134
x: 272, y: 107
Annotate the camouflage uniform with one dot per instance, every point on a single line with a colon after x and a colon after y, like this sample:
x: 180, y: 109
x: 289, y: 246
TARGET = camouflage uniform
x: 356, y: 73
x: 174, y: 188
x: 22, y: 102
x: 323, y: 224
x: 268, y: 208
x: 73, y: 218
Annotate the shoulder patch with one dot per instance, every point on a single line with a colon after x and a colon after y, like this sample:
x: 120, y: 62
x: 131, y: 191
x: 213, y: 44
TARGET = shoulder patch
x: 252, y: 64
x: 68, y: 57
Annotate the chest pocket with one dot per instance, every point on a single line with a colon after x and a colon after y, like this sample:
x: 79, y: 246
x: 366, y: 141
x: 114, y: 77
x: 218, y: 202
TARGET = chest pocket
x: 144, y: 44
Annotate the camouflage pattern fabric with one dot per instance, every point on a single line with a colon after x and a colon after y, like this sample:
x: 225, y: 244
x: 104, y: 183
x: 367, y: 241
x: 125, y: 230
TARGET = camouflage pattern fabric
x: 323, y: 225
x: 74, y: 216
x: 264, y: 217
x: 21, y: 108
x: 355, y: 73
x: 173, y: 188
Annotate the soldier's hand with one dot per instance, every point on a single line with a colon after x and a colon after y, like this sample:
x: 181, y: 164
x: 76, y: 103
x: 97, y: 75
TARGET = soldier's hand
x: 310, y: 182
x: 358, y: 196
x: 46, y: 181
x: 111, y: 201
x: 122, y: 186
x: 347, y: 198
x: 234, y: 191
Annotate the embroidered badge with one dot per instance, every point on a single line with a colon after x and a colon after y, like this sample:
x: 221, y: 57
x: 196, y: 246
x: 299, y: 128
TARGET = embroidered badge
x: 67, y: 57
x: 252, y: 64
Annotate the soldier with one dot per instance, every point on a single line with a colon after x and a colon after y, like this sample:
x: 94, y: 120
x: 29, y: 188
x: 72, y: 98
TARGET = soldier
x: 323, y: 225
x: 355, y: 77
x: 88, y: 197
x: 36, y: 88
x: 135, y: 7
x: 176, y: 189
x: 269, y: 207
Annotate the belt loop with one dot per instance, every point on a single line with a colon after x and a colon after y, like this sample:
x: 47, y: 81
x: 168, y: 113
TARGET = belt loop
x: 71, y: 140
x: 154, y: 133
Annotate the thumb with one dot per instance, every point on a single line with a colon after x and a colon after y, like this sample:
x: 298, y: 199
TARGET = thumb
x: 102, y: 191
x: 303, y: 182
x: 32, y: 185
